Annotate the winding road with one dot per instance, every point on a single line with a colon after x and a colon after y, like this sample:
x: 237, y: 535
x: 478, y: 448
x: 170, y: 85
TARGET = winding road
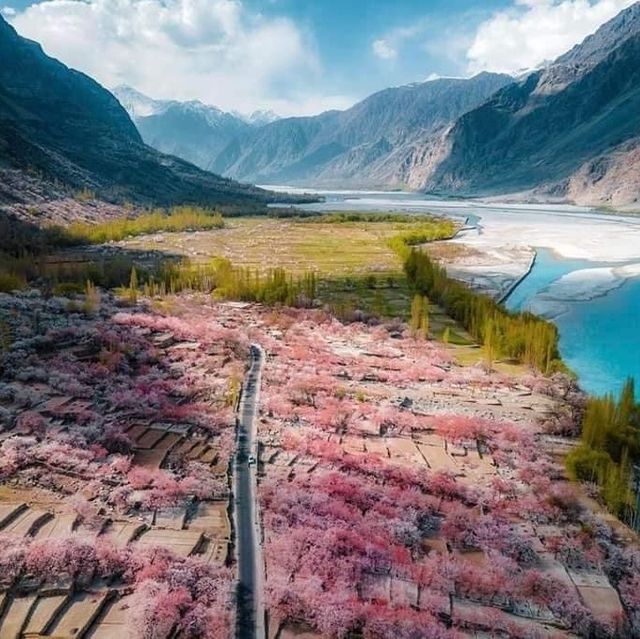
x: 251, y: 613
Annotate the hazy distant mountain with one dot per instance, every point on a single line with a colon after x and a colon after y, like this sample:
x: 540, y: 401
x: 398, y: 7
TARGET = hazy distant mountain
x: 138, y: 105
x: 373, y: 143
x: 259, y: 117
x: 570, y: 130
x: 191, y: 130
x: 61, y: 125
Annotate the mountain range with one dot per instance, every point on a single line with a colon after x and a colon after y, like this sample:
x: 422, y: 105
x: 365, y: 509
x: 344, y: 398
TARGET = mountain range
x: 372, y: 143
x: 567, y: 131
x: 62, y: 127
x: 571, y: 130
x: 191, y: 130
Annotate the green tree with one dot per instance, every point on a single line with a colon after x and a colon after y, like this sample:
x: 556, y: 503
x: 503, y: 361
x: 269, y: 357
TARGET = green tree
x: 424, y: 323
x: 133, y: 286
x: 608, y: 451
x: 489, y: 342
x: 416, y: 313
x: 91, y: 298
x: 627, y: 404
x: 419, y: 322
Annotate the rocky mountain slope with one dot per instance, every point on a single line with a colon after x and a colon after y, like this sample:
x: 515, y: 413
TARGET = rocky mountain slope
x: 64, y: 128
x: 373, y: 143
x: 570, y: 131
x: 191, y: 130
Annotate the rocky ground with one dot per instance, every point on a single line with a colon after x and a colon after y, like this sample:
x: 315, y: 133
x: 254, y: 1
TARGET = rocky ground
x: 36, y: 201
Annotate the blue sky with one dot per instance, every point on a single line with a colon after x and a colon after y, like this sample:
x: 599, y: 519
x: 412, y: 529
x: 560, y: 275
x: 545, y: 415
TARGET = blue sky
x: 300, y: 56
x: 345, y: 31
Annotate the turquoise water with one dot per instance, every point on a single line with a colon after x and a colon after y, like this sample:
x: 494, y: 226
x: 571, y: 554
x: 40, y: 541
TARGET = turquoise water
x: 599, y: 338
x: 547, y: 268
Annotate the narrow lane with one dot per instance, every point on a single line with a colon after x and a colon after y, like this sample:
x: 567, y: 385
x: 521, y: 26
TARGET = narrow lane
x: 250, y: 619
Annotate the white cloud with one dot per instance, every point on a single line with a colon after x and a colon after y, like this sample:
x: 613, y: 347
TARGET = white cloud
x: 386, y: 47
x: 214, y: 50
x: 383, y: 50
x: 534, y: 31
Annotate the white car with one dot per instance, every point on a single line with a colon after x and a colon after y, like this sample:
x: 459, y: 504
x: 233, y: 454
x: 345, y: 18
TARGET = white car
x: 252, y: 460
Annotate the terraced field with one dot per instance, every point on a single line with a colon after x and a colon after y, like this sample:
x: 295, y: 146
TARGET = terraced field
x: 163, y: 487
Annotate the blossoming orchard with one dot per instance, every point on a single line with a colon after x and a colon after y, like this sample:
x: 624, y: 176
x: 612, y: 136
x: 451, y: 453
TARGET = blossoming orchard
x: 401, y: 495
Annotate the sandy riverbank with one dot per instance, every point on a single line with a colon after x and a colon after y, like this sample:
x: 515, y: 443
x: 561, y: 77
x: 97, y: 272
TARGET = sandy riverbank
x: 499, y: 249
x: 494, y: 271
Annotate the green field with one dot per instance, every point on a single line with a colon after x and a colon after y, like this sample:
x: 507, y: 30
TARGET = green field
x: 351, y: 254
x: 298, y: 245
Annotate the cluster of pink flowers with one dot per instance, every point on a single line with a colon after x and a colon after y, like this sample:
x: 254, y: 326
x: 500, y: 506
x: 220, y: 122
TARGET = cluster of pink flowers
x: 349, y: 532
x: 117, y: 372
x: 169, y: 593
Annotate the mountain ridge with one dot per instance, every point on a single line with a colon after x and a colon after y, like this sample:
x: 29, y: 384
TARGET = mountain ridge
x: 191, y: 130
x: 546, y: 134
x: 364, y: 145
x: 63, y: 126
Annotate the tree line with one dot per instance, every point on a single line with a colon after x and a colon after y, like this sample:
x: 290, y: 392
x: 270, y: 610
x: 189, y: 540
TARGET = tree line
x: 24, y: 247
x: 179, y: 218
x: 224, y: 280
x: 608, y: 450
x: 523, y: 337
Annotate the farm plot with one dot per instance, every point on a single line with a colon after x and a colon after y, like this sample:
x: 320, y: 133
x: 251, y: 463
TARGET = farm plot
x: 445, y: 508
x: 114, y: 468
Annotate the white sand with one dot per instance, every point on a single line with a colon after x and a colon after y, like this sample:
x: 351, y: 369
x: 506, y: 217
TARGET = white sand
x: 587, y: 284
x: 495, y: 271
x: 570, y: 232
x: 580, y: 286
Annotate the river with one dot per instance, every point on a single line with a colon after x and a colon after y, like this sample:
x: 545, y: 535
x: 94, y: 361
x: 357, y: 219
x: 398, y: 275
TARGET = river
x: 585, y: 278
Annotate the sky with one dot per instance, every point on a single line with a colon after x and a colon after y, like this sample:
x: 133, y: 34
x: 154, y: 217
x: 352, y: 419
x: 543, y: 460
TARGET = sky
x: 300, y: 57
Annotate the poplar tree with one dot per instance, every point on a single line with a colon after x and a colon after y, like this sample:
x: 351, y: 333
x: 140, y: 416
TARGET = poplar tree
x: 419, y: 322
x: 133, y: 286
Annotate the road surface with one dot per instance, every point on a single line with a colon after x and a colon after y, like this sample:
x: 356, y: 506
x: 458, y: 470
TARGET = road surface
x: 250, y: 620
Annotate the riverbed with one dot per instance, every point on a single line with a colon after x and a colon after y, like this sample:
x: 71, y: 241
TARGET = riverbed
x: 585, y: 276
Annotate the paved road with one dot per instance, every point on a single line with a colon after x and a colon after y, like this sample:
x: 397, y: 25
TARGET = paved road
x: 247, y: 523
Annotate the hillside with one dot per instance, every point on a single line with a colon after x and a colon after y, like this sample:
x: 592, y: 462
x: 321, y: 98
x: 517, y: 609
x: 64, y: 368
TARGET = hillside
x: 561, y: 131
x: 64, y: 128
x: 373, y: 143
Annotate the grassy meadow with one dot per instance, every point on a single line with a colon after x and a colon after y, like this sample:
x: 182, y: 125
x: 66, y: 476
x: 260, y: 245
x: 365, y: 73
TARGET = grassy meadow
x: 357, y: 264
x: 327, y: 247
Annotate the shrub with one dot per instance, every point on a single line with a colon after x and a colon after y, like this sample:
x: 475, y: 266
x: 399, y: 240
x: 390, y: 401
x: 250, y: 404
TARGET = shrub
x: 11, y: 282
x: 184, y: 218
